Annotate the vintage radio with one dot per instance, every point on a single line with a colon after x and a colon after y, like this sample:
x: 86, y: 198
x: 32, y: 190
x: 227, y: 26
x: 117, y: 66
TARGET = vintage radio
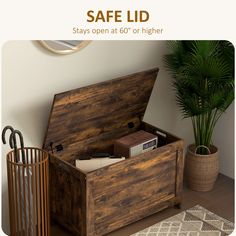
x: 135, y: 144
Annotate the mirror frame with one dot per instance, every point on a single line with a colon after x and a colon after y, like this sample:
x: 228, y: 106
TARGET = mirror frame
x: 65, y: 52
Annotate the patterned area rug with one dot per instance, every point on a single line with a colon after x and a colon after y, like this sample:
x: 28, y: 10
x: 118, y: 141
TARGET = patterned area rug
x: 196, y: 221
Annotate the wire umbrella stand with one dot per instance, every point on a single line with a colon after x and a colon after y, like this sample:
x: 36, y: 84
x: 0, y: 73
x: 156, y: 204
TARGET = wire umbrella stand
x: 28, y: 189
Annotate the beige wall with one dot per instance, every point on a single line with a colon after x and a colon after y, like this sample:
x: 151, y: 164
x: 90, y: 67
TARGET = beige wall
x: 31, y: 76
x: 224, y: 140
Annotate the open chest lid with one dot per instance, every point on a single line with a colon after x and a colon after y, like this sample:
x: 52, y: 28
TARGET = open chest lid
x: 89, y: 119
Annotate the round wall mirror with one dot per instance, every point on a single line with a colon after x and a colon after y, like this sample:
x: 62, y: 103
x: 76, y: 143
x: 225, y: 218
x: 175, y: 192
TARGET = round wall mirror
x: 64, y: 46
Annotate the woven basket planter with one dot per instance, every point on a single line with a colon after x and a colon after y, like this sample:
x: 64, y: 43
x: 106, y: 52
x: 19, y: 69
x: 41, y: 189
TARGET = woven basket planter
x: 201, y: 170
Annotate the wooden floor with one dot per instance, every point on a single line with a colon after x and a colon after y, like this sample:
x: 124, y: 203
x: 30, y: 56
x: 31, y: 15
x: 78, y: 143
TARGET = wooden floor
x: 220, y: 201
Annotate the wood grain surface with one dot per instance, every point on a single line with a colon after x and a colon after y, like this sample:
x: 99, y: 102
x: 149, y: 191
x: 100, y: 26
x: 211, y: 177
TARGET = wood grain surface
x: 88, y: 119
x: 122, y: 193
x: 67, y: 196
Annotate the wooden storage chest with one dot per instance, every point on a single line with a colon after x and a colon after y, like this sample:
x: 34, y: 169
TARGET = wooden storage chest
x: 88, y: 120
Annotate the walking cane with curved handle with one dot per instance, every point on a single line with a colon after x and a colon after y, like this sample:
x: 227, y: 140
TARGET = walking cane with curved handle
x: 4, y: 133
x: 8, y: 127
x: 13, y: 144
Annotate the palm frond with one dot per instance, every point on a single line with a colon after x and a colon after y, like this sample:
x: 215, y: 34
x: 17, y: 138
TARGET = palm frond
x: 203, y: 78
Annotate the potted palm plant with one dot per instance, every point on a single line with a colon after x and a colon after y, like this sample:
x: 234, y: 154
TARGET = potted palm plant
x: 203, y: 77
